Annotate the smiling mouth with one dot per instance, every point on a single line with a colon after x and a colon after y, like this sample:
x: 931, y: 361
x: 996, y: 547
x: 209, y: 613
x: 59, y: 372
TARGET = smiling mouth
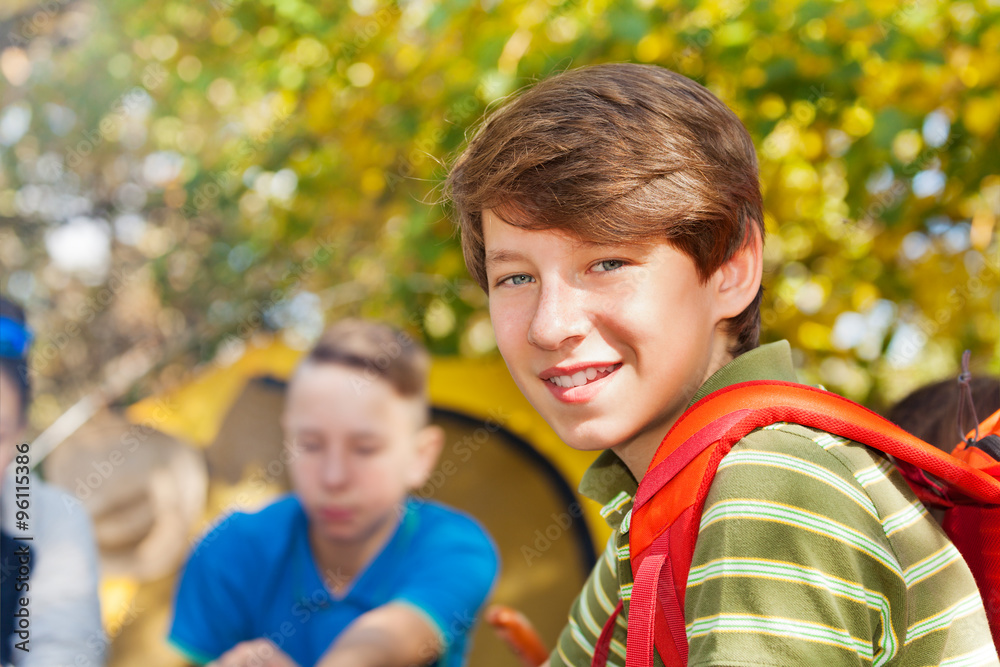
x: 583, y: 377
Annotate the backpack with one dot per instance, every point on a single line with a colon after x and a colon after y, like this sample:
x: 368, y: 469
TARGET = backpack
x: 667, y: 508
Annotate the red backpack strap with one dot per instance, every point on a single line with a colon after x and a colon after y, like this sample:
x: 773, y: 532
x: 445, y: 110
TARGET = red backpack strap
x: 656, y: 613
x: 696, y: 444
x: 603, y: 645
x: 975, y: 530
x: 764, y: 403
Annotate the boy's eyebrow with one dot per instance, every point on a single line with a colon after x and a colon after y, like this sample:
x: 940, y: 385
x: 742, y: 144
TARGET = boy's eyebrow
x: 503, y: 255
x: 365, y: 434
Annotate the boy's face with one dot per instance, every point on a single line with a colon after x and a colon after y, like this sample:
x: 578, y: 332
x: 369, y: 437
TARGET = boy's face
x: 357, y: 450
x: 608, y: 343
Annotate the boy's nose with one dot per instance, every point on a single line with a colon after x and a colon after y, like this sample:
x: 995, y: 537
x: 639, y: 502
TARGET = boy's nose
x: 560, y: 315
x: 334, y: 471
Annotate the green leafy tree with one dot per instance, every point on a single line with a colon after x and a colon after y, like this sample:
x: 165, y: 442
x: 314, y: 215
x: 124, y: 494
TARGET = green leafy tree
x: 232, y: 170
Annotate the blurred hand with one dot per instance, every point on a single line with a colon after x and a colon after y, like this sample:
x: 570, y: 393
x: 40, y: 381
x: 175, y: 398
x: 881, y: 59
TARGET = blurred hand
x: 254, y: 653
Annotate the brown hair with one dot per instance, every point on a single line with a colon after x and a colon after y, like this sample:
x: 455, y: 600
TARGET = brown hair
x: 617, y: 153
x: 931, y: 412
x: 379, y: 350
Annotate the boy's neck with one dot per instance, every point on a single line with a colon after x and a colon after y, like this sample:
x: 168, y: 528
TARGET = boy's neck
x: 638, y: 453
x: 339, y: 563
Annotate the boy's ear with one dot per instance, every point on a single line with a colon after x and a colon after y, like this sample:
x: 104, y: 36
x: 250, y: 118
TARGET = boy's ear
x: 427, y: 449
x: 738, y: 280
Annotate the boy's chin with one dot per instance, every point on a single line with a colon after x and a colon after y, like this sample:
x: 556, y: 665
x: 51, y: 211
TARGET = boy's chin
x: 584, y: 441
x: 353, y: 533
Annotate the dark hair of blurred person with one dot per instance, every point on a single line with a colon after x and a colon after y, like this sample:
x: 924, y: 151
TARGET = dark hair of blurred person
x: 931, y: 412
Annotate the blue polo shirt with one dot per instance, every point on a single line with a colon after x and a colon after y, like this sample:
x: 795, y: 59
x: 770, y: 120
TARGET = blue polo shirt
x: 254, y: 576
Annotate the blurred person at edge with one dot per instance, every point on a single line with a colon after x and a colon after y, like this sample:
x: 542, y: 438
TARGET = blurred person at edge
x: 933, y: 413
x: 50, y: 610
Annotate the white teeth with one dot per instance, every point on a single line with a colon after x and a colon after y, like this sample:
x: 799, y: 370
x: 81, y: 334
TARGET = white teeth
x: 581, y: 378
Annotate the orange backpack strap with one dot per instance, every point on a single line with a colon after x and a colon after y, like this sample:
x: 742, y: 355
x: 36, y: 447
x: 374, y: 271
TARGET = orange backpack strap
x: 976, y: 457
x: 687, y: 459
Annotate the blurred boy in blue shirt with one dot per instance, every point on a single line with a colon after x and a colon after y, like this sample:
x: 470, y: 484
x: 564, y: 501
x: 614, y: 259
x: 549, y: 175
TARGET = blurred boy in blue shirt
x: 348, y: 570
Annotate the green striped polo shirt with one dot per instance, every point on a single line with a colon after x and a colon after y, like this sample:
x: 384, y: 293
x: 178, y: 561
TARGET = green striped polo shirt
x: 812, y: 550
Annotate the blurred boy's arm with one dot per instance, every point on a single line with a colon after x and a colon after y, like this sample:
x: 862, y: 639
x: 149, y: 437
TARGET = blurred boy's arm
x: 388, y: 636
x: 254, y: 653
x: 394, y: 635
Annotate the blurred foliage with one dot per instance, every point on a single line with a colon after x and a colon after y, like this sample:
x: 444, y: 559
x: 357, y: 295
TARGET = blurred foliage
x: 180, y: 177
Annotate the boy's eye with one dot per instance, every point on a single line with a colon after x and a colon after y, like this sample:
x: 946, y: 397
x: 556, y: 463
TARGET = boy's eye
x: 606, y: 265
x: 519, y: 279
x: 368, y: 451
x: 367, y: 446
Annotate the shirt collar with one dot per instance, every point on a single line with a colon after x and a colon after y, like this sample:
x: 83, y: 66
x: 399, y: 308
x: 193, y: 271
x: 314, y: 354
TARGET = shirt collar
x: 767, y: 362
x: 605, y: 480
x: 608, y: 477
